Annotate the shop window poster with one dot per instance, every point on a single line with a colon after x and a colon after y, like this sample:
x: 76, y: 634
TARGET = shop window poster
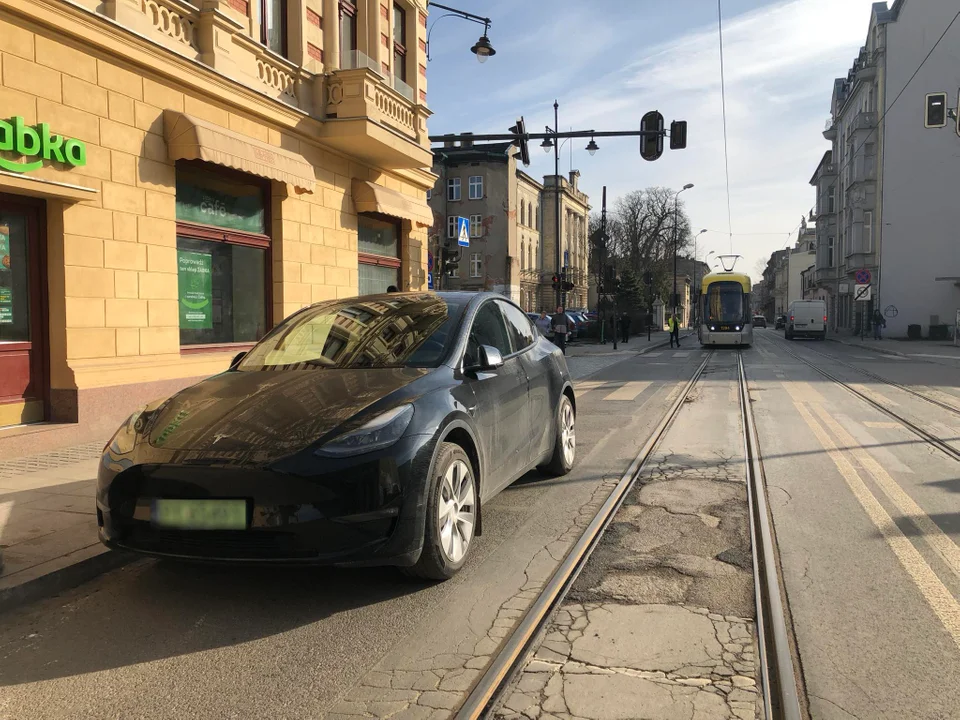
x: 6, y: 277
x: 195, y: 280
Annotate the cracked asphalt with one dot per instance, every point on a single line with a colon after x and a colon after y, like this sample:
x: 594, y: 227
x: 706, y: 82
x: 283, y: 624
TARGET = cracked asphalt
x: 165, y: 640
x: 660, y: 622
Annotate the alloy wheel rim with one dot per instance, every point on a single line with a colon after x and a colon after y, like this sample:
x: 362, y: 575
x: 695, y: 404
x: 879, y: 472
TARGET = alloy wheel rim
x: 456, y: 511
x: 568, y: 434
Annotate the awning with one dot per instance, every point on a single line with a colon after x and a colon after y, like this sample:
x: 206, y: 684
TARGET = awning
x: 189, y: 138
x: 369, y: 197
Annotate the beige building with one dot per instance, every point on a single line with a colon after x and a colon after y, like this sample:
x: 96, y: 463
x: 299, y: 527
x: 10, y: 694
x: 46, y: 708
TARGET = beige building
x: 482, y: 183
x: 176, y: 177
x: 574, y: 214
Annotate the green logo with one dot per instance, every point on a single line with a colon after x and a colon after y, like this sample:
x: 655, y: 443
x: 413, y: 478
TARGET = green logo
x: 37, y: 141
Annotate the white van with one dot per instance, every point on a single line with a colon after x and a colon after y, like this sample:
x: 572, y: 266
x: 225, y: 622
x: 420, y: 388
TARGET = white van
x: 806, y: 318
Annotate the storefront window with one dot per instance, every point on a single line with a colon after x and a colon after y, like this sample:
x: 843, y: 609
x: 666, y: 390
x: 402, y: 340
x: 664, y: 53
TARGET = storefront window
x: 379, y: 254
x: 14, y: 279
x: 222, y: 262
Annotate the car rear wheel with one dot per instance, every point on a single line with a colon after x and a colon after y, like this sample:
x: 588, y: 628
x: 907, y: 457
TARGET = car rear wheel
x: 451, y: 516
x: 565, y: 441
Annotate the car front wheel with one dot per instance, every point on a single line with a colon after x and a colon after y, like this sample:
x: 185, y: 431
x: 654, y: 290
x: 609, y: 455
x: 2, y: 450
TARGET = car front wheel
x: 451, y: 516
x: 565, y: 441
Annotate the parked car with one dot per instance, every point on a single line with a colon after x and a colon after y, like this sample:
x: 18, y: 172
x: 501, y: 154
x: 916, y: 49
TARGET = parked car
x: 573, y: 326
x: 780, y: 322
x: 361, y: 431
x: 759, y: 321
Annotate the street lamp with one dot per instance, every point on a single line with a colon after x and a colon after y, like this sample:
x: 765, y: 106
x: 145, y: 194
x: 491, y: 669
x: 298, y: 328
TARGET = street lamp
x: 482, y: 48
x: 592, y: 147
x: 676, y: 202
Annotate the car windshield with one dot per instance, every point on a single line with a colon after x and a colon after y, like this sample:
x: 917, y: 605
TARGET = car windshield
x: 373, y: 332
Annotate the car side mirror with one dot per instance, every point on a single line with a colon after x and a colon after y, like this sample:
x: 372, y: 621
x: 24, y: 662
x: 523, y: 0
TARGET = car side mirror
x: 488, y: 358
x: 237, y: 358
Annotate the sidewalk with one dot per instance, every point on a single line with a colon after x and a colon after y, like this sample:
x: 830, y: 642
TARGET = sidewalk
x: 902, y: 348
x: 48, y: 524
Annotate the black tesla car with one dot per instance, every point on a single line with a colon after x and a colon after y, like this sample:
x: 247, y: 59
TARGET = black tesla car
x: 367, y: 431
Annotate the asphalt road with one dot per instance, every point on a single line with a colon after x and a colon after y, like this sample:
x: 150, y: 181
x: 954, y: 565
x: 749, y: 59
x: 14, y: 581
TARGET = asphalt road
x: 163, y: 640
x: 867, y: 518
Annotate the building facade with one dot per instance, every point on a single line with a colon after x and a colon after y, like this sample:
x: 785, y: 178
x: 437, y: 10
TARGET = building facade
x: 574, y: 211
x: 802, y: 256
x: 177, y: 178
x: 884, y: 192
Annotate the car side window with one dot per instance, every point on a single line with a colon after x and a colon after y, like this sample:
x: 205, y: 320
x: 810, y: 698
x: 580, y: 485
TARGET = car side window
x: 488, y: 328
x: 518, y: 325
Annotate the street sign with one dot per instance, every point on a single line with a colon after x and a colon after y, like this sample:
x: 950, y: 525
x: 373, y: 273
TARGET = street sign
x: 463, y: 232
x: 844, y: 288
x: 862, y: 293
x: 430, y: 260
x: 429, y: 281
x: 863, y: 277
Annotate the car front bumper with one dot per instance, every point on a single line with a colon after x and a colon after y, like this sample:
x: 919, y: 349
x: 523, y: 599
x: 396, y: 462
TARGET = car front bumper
x: 365, y: 510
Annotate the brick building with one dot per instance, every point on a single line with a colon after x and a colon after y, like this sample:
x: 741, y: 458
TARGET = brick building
x: 176, y: 178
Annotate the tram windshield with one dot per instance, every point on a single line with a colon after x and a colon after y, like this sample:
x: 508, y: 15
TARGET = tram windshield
x: 726, y: 303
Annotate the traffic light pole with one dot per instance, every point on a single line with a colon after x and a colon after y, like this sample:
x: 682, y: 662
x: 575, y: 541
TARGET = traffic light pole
x: 556, y: 190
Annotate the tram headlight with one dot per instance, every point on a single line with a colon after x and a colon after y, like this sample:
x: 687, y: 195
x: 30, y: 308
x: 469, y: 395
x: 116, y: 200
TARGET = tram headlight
x: 737, y: 328
x: 713, y: 328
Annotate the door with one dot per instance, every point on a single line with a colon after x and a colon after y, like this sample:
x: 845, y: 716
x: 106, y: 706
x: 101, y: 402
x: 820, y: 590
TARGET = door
x: 501, y: 412
x: 22, y: 271
x: 524, y: 336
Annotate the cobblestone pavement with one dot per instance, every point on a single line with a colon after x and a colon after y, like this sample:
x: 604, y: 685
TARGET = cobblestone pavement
x: 660, y: 622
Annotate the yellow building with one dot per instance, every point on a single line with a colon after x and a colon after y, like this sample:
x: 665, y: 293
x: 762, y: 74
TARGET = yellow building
x: 176, y: 177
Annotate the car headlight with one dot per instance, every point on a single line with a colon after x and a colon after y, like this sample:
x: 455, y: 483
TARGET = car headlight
x: 381, y: 432
x: 125, y: 438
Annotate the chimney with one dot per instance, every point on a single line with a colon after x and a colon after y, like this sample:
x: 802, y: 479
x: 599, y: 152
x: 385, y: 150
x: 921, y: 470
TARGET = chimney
x: 574, y: 174
x: 448, y: 141
x: 465, y: 142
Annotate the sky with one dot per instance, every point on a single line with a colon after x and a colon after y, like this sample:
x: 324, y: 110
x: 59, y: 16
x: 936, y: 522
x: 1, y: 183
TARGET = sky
x: 607, y: 62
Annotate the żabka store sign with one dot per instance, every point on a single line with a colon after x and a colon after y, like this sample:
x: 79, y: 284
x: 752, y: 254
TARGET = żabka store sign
x: 37, y: 142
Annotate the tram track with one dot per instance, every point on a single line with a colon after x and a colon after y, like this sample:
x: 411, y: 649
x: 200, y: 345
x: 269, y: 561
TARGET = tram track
x: 778, y: 682
x: 925, y: 435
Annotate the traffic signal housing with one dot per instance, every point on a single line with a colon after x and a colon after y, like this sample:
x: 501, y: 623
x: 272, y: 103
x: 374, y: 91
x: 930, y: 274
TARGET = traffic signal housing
x: 678, y: 135
x: 520, y: 131
x: 651, y: 143
x: 449, y: 260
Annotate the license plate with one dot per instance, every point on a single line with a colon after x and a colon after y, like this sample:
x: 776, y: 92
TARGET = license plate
x: 801, y: 324
x: 201, y: 514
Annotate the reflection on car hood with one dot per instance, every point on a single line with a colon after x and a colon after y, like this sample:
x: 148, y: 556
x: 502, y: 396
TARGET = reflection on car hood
x: 269, y: 413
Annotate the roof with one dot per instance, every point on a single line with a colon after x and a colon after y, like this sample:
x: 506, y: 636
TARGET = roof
x: 827, y: 159
x: 714, y: 277
x: 529, y: 179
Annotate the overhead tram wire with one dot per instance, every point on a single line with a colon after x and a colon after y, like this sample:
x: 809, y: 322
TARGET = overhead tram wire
x: 723, y: 103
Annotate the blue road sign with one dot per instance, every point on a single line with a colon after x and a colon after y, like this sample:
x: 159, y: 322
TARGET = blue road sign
x: 429, y: 281
x: 863, y: 277
x: 463, y: 232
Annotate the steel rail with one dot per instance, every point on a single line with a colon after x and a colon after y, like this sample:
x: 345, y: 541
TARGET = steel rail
x: 946, y: 406
x: 938, y: 443
x: 509, y: 658
x: 778, y: 678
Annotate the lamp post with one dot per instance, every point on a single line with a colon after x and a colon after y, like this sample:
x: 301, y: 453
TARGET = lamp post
x: 482, y: 48
x: 676, y: 202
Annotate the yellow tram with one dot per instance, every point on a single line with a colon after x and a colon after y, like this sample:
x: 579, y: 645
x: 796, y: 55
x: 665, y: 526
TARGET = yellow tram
x: 725, y: 309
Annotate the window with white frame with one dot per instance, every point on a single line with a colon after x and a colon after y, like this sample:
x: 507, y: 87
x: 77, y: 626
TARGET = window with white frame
x: 451, y: 226
x: 868, y: 231
x: 430, y: 194
x: 476, y: 187
x: 476, y: 263
x: 830, y: 252
x: 453, y: 189
x: 476, y: 225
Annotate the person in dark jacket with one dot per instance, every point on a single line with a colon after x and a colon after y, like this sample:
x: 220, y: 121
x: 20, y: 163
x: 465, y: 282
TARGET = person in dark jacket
x: 559, y: 325
x: 625, y: 326
x: 878, y: 324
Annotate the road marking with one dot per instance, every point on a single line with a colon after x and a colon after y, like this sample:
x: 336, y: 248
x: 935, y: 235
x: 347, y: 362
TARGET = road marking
x: 882, y: 425
x: 587, y: 385
x: 873, y: 395
x: 867, y: 357
x: 628, y: 391
x: 946, y: 357
x: 932, y: 533
x: 938, y: 597
x: 656, y: 354
x: 802, y: 392
x: 681, y: 354
x: 944, y: 397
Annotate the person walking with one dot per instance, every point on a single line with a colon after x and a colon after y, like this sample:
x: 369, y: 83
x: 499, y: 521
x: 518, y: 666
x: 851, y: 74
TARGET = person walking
x: 878, y: 324
x: 543, y: 323
x: 625, y: 326
x: 674, y: 327
x: 558, y: 323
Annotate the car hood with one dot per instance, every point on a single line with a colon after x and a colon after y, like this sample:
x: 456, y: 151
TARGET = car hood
x: 269, y: 413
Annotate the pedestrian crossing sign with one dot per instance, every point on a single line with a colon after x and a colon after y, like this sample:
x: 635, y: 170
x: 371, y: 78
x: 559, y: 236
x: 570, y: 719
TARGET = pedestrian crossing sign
x: 463, y: 232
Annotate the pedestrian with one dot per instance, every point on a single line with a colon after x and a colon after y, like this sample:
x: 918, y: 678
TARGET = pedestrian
x: 625, y: 326
x: 674, y: 330
x: 543, y: 323
x: 393, y: 289
x: 558, y: 323
x: 878, y: 324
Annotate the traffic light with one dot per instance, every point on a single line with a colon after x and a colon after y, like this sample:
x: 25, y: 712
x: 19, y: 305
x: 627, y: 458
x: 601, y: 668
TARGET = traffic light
x: 651, y: 144
x: 678, y: 134
x: 564, y: 284
x: 556, y: 282
x: 520, y: 130
x: 449, y: 260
